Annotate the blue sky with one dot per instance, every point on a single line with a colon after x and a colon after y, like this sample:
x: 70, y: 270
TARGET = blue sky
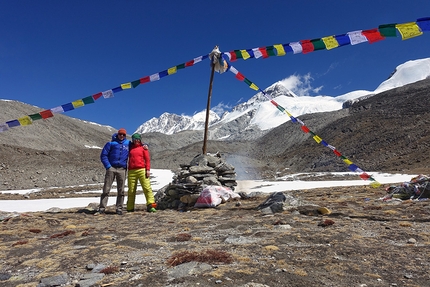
x: 56, y: 52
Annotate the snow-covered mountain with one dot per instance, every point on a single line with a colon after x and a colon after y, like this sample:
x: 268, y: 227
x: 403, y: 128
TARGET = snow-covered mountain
x: 171, y: 123
x: 259, y: 115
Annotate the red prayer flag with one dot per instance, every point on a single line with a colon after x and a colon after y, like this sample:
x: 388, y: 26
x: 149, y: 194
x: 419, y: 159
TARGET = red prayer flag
x: 364, y: 176
x: 275, y: 103
x: 240, y: 77
x: 97, y: 96
x: 233, y: 56
x: 46, y: 114
x: 307, y: 46
x: 373, y: 35
x: 145, y: 80
x: 189, y: 63
x: 305, y: 129
x: 336, y: 152
x: 264, y: 52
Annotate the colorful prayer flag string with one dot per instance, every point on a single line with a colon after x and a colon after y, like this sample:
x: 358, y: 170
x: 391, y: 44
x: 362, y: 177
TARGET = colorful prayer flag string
x: 306, y: 129
x: 28, y: 120
x: 406, y: 31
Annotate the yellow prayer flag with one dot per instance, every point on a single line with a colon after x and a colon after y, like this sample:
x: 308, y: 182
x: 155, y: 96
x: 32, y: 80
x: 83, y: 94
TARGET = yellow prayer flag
x: 317, y: 138
x: 172, y: 70
x: 290, y: 115
x: 78, y: 103
x: 330, y: 42
x: 25, y: 121
x: 409, y: 30
x: 245, y: 54
x: 347, y: 161
x: 254, y: 87
x: 126, y: 86
x: 280, y: 49
x: 375, y: 184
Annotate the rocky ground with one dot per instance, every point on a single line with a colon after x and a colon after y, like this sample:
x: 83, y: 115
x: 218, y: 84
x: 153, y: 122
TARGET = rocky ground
x: 327, y: 237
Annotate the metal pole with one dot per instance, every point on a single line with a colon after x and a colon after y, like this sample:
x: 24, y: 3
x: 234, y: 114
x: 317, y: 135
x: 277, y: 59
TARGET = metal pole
x: 208, y: 107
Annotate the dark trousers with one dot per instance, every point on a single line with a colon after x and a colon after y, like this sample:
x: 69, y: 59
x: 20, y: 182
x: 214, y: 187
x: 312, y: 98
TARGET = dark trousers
x: 111, y: 174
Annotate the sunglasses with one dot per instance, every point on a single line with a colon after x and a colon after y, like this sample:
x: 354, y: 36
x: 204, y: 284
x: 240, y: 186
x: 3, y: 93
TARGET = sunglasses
x: 121, y: 134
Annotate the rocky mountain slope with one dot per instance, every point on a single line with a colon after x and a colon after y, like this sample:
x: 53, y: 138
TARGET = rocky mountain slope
x: 387, y: 132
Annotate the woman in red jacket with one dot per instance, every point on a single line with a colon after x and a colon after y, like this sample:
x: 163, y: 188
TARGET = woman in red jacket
x: 139, y: 166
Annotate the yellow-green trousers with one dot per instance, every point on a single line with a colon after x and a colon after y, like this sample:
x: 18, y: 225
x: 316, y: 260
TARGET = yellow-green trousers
x: 135, y: 175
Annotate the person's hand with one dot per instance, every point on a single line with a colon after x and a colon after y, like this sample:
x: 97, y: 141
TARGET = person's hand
x: 145, y: 146
x: 148, y: 174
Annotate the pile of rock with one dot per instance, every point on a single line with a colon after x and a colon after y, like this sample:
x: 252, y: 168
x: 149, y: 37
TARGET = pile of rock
x: 192, y: 178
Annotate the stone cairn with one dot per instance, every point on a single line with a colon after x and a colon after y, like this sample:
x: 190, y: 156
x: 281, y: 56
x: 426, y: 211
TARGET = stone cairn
x: 192, y: 178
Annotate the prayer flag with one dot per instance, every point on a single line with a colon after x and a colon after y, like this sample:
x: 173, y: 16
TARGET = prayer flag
x: 270, y: 51
x: 154, y: 77
x: 356, y: 37
x: 263, y: 52
x: 257, y: 53
x: 198, y: 59
x: 35, y: 117
x: 330, y: 42
x: 25, y: 121
x: 373, y: 35
x: 145, y: 80
x: 46, y: 114
x: 388, y: 30
x: 188, y: 64
x: 318, y: 44
x: 424, y: 24
x: 245, y: 54
x: 3, y: 127
x: 336, y: 152
x: 57, y: 110
x: 68, y: 107
x: 343, y: 40
x: 317, y: 139
x: 162, y: 74
x: 117, y: 89
x: 409, y: 30
x: 97, y: 96
x: 78, y: 104
x: 126, y: 86
x: 136, y: 83
x: 172, y: 70
x: 297, y: 48
x: 180, y: 66
x: 240, y: 77
x: 307, y: 46
x: 88, y: 100
x: 280, y: 51
x: 305, y: 129
x: 13, y: 123
x: 352, y: 167
x: 107, y: 94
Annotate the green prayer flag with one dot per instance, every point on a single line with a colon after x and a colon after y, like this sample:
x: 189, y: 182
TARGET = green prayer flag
x: 388, y: 30
x: 136, y: 83
x: 270, y: 50
x: 88, y: 100
x: 35, y: 116
x: 181, y: 66
x: 318, y: 44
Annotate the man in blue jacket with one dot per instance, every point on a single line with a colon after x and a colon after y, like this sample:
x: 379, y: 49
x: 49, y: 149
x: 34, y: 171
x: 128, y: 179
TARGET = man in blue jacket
x: 114, y: 157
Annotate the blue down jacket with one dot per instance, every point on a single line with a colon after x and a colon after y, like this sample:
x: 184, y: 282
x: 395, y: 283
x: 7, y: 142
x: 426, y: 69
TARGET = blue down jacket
x: 115, y: 153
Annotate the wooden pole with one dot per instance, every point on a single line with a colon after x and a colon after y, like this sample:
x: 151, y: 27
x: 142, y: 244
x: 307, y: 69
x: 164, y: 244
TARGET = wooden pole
x: 208, y: 107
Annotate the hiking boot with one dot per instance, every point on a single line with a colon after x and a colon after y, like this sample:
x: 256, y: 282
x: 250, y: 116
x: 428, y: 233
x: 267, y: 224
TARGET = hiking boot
x: 151, y: 206
x: 100, y: 212
x: 119, y: 212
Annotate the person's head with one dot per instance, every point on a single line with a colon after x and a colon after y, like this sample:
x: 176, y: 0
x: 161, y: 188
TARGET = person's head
x: 121, y: 134
x: 136, y: 138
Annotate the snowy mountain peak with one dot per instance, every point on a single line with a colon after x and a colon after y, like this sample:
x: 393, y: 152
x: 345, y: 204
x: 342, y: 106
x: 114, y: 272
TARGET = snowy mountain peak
x: 258, y: 114
x: 169, y: 123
